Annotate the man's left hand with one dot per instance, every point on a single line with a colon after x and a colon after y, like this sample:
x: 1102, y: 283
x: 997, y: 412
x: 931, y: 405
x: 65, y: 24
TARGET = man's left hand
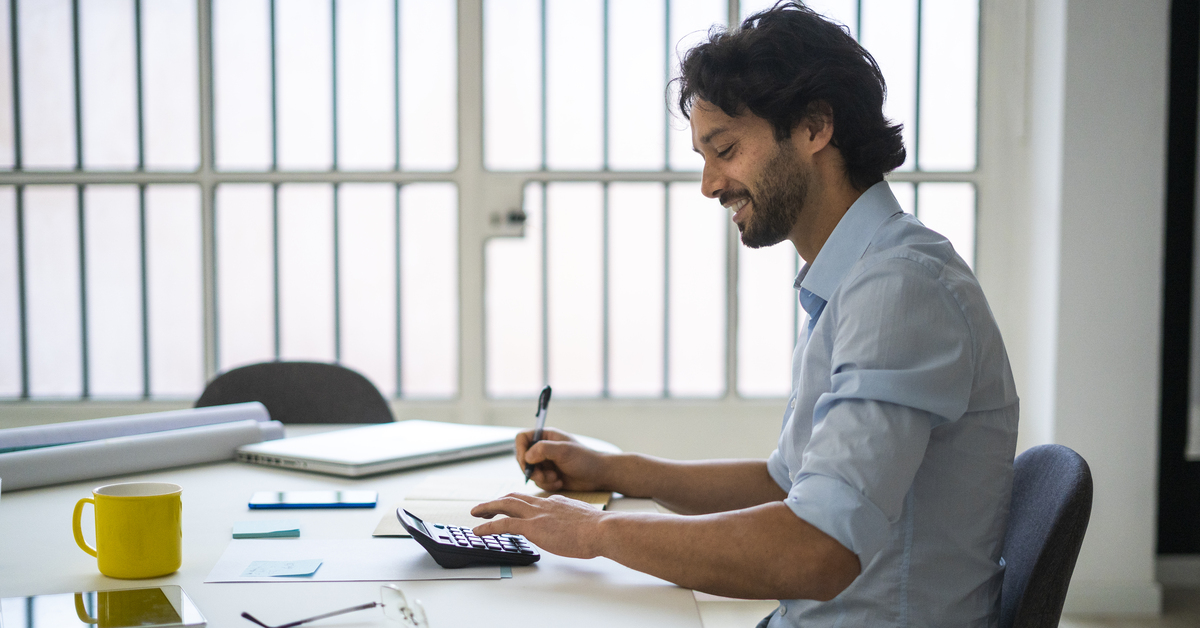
x: 557, y: 524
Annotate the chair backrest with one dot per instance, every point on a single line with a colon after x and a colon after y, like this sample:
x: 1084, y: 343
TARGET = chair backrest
x: 301, y: 392
x: 1051, y: 505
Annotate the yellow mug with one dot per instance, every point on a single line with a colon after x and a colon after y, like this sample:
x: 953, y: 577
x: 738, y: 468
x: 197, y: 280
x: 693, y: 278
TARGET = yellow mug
x: 129, y: 607
x: 138, y: 530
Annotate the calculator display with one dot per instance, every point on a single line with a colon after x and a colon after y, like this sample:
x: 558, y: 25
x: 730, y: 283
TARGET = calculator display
x: 420, y: 525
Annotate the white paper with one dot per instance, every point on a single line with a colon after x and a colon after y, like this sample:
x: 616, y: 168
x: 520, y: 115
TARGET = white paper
x: 131, y: 454
x: 113, y: 427
x: 455, y: 513
x: 464, y: 488
x: 346, y: 560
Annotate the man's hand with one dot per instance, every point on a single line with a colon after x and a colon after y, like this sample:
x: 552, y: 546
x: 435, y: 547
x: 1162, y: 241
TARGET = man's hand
x: 557, y: 524
x: 563, y: 463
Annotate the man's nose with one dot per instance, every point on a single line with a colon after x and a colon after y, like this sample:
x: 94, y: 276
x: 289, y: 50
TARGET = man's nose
x: 712, y: 182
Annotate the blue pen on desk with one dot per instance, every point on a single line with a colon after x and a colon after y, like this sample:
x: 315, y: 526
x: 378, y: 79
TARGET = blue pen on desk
x: 543, y: 403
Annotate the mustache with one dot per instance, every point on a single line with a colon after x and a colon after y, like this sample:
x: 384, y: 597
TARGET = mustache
x: 729, y: 197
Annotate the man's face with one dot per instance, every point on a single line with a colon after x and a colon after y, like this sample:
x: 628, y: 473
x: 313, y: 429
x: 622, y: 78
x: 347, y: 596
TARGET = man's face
x: 763, y: 181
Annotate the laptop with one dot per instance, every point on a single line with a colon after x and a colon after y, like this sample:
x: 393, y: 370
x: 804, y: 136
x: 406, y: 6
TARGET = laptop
x: 361, y: 451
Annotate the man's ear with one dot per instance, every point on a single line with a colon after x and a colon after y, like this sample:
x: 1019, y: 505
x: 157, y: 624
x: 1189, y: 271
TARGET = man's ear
x: 817, y: 126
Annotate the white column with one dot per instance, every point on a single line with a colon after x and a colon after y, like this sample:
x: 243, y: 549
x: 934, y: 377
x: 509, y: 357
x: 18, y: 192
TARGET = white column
x: 1080, y: 297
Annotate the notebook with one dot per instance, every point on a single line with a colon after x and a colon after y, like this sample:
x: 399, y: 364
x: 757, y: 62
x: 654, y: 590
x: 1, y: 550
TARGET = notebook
x: 380, y: 448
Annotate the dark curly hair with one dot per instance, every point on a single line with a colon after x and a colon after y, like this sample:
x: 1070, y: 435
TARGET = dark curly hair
x: 788, y: 64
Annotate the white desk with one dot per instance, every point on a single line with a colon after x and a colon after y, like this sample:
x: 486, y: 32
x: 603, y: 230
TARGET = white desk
x: 38, y: 555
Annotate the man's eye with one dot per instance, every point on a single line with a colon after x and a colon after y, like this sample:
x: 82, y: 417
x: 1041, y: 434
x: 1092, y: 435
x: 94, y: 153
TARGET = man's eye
x: 725, y: 152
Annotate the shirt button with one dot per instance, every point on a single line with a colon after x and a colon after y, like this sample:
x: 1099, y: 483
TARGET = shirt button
x: 782, y: 610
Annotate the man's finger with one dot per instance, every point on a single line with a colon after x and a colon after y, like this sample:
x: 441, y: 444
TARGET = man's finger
x: 524, y: 439
x: 499, y: 526
x: 547, y: 450
x: 512, y: 505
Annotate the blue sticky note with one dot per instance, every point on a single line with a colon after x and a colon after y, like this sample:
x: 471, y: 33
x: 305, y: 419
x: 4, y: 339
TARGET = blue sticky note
x: 261, y: 529
x: 267, y: 568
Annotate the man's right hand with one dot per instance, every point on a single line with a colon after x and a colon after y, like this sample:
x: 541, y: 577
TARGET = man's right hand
x: 563, y: 463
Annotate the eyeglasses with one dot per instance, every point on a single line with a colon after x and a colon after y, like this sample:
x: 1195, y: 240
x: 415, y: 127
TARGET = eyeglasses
x: 395, y: 607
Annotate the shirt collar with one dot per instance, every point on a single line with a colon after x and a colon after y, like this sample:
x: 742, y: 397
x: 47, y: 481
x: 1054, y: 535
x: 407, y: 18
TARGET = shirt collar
x: 849, y: 240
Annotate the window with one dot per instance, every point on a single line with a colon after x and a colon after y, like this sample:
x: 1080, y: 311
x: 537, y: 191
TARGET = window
x: 309, y: 213
x: 191, y: 185
x: 626, y: 271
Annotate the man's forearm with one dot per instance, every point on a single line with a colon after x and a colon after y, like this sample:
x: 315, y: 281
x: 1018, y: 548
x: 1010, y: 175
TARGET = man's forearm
x: 693, y: 487
x: 761, y: 553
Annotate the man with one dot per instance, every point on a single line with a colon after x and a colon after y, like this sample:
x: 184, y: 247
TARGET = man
x: 886, y: 500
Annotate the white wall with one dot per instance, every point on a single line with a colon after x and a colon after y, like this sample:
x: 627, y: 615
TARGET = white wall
x: 1076, y: 206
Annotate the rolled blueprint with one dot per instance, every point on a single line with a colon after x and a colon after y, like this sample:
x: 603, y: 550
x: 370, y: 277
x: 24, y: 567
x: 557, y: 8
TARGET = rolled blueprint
x: 18, y: 438
x: 131, y: 454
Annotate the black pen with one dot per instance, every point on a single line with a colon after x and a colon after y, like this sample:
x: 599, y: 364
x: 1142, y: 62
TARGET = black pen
x: 543, y: 403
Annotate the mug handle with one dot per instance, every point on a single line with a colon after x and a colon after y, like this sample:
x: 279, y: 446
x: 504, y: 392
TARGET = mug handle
x: 75, y: 525
x: 82, y: 612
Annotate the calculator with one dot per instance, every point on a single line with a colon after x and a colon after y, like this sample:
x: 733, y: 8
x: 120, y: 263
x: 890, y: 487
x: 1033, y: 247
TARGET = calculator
x: 452, y: 546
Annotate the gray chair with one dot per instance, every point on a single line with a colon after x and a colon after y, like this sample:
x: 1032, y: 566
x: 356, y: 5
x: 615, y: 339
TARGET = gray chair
x: 301, y: 392
x: 1051, y: 505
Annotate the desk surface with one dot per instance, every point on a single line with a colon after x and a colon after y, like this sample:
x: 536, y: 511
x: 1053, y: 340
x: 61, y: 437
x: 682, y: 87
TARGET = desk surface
x: 38, y: 555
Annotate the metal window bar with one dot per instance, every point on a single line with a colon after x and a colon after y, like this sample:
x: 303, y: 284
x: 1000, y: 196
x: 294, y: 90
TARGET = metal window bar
x: 605, y: 304
x: 275, y: 263
x: 731, y: 267
x: 145, y: 281
x: 399, y: 299
x: 916, y: 135
x: 79, y: 207
x: 208, y: 210
x: 396, y: 169
x: 666, y: 322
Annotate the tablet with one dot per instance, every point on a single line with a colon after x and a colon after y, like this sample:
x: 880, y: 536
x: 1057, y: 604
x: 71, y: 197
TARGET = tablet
x: 147, y: 607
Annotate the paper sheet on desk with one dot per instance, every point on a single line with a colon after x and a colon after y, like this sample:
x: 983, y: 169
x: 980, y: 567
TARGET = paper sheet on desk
x: 455, y: 513
x: 345, y: 560
x: 449, y: 499
x: 477, y: 489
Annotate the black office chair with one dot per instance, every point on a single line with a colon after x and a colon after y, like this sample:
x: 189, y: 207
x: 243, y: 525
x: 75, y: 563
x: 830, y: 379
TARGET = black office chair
x: 1051, y: 505
x: 301, y: 392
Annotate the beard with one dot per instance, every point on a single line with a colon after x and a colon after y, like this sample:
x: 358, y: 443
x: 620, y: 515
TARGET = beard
x: 779, y: 197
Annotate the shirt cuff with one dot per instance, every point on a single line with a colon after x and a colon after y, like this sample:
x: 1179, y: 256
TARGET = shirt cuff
x: 839, y: 510
x: 778, y: 470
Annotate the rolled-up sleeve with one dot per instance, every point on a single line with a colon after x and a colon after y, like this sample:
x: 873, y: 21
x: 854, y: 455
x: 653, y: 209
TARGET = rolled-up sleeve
x: 900, y: 365
x: 778, y: 470
x: 857, y: 469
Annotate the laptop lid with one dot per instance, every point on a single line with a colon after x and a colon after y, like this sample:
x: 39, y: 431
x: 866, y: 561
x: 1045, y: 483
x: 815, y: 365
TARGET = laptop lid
x: 380, y: 448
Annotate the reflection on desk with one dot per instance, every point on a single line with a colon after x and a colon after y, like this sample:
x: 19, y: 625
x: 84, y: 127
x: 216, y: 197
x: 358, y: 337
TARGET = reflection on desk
x: 39, y: 556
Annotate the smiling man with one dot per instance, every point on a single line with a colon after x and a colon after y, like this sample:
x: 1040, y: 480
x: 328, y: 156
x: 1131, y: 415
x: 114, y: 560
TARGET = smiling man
x: 886, y: 499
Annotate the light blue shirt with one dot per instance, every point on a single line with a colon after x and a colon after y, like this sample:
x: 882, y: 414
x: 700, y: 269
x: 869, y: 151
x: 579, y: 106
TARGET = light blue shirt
x: 899, y: 437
